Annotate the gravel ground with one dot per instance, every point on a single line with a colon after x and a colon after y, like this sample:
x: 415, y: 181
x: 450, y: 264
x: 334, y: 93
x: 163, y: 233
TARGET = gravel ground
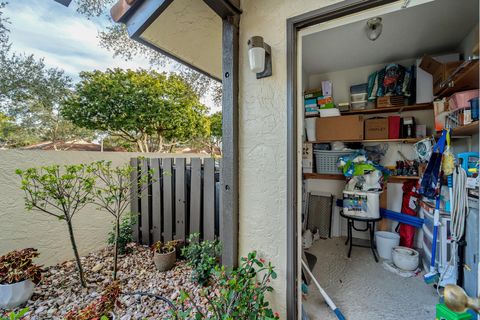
x: 60, y: 290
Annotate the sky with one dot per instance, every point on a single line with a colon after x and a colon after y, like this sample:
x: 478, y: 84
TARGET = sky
x: 64, y: 38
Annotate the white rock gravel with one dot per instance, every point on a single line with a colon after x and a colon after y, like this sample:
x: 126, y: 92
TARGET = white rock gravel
x: 60, y: 290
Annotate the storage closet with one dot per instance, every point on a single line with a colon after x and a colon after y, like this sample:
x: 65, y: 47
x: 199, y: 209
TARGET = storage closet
x: 386, y: 82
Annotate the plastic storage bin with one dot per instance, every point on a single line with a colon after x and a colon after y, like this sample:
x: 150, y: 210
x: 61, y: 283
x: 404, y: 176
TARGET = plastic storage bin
x: 474, y: 108
x: 357, y: 97
x: 359, y: 105
x: 443, y: 313
x: 327, y: 161
x: 361, y: 204
x: 461, y: 100
x: 359, y: 88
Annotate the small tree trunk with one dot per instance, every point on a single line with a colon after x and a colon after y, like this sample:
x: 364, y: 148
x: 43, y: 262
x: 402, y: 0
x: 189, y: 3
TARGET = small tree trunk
x: 75, y: 251
x: 115, y: 253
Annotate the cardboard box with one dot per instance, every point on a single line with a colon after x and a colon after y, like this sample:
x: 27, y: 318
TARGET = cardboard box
x: 439, y: 71
x: 376, y: 128
x: 424, y: 83
x: 390, y: 101
x: 342, y: 128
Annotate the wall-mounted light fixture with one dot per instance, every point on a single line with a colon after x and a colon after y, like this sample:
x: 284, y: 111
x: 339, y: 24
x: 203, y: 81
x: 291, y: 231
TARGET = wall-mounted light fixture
x: 260, y: 57
x: 374, y: 28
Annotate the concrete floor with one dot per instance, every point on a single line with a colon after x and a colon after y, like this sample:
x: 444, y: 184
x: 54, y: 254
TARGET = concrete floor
x: 362, y: 289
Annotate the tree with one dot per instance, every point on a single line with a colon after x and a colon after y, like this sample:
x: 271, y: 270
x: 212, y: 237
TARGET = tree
x: 113, y: 194
x: 60, y: 193
x: 115, y: 39
x: 151, y: 109
x: 31, y: 95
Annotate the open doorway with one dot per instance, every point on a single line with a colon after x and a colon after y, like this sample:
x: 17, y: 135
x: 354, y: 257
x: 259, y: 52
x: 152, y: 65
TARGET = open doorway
x: 335, y: 59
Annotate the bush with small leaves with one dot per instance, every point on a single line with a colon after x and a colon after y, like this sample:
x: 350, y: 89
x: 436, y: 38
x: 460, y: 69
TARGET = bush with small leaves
x: 202, y: 256
x: 235, y: 294
x: 101, y: 308
x: 17, y: 266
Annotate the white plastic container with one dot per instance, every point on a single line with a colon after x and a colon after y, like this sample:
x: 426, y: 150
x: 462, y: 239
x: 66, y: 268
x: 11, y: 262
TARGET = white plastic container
x: 357, y: 97
x: 385, y: 242
x: 361, y: 204
x: 310, y: 128
x: 359, y: 105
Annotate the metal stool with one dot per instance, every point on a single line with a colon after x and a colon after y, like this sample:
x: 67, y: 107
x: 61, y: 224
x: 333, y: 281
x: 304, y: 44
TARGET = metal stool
x: 351, y: 226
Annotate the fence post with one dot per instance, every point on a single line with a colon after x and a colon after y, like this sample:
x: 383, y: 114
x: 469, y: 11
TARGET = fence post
x: 134, y: 199
x: 209, y: 199
x: 156, y: 200
x: 180, y: 199
x: 168, y: 216
x: 195, y: 195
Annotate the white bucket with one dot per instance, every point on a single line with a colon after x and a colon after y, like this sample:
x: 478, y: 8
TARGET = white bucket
x: 386, y: 241
x: 310, y: 127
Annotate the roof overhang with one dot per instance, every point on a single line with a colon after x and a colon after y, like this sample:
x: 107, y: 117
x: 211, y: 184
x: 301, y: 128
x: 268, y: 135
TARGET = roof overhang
x: 189, y: 31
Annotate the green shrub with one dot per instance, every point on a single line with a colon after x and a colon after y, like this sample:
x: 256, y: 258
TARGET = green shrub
x: 236, y: 294
x: 125, y: 236
x: 202, y: 256
x: 15, y: 315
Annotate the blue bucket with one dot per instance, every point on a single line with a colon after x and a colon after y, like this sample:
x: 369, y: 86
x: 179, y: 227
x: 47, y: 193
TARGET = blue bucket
x: 474, y: 107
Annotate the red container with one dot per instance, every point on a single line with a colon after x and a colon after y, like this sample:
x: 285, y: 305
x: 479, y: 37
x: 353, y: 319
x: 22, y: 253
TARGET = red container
x: 393, y: 127
x: 460, y: 100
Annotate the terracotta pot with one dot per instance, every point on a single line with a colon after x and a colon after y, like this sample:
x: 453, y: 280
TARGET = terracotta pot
x: 164, y: 261
x: 15, y: 294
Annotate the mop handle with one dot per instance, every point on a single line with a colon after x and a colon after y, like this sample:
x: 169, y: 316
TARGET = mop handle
x: 436, y: 221
x: 323, y: 293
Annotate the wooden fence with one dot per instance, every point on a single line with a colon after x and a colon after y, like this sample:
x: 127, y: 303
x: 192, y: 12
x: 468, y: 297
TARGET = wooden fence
x: 179, y: 198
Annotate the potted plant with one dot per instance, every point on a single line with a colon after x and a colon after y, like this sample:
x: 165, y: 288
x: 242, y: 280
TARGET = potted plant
x: 18, y: 276
x: 164, y: 254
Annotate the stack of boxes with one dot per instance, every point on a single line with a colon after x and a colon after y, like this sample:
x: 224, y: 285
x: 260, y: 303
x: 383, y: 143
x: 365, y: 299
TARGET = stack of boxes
x: 310, y: 101
x: 318, y: 99
x: 358, y: 96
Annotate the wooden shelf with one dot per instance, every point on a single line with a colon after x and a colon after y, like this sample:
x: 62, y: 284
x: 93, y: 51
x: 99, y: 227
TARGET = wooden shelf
x: 465, y: 79
x: 468, y: 130
x: 421, y: 106
x: 402, y: 140
x: 392, y: 179
x: 323, y: 176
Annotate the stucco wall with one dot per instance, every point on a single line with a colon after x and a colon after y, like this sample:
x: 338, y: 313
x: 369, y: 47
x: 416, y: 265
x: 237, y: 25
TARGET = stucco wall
x: 263, y: 132
x: 20, y: 228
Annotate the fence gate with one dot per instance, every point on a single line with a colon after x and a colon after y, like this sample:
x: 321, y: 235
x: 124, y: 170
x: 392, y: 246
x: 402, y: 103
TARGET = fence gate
x: 180, y: 197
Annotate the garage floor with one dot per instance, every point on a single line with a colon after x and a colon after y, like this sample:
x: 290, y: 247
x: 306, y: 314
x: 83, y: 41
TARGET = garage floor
x: 362, y: 289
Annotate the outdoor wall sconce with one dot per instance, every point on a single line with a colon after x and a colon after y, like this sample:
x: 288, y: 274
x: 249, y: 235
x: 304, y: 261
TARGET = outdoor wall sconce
x: 260, y: 57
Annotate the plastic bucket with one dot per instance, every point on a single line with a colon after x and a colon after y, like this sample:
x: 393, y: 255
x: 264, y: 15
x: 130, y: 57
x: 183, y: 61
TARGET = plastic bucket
x: 310, y: 127
x: 386, y: 241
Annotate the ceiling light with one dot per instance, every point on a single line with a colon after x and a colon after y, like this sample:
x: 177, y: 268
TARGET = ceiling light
x: 374, y: 28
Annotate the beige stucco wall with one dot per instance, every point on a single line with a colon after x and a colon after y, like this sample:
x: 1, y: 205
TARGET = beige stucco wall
x: 263, y: 132
x: 20, y: 228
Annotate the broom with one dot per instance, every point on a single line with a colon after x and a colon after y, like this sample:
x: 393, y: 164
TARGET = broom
x: 329, y: 301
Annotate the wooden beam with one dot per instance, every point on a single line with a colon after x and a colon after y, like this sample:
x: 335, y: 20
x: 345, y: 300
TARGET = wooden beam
x: 143, y: 15
x: 229, y: 168
x: 225, y: 8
